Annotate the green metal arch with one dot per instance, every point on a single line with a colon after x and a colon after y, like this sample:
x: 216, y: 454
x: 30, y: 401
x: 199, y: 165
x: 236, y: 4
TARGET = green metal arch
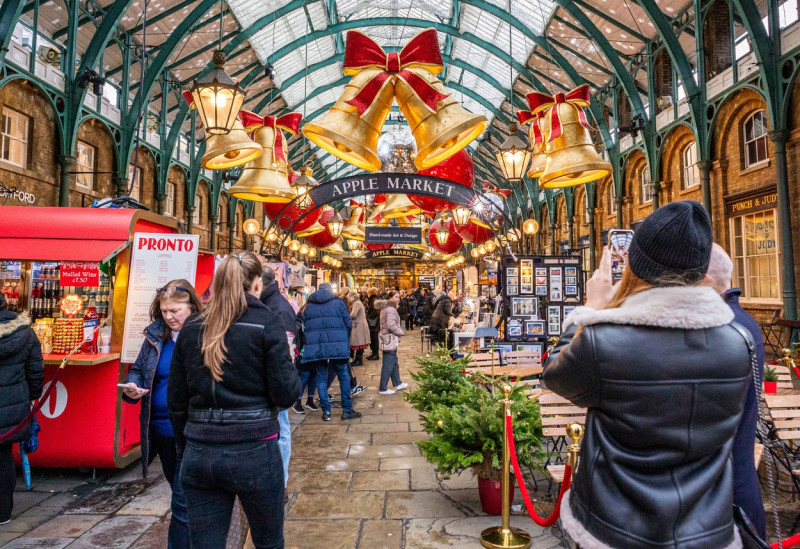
x: 50, y: 94
x: 10, y: 11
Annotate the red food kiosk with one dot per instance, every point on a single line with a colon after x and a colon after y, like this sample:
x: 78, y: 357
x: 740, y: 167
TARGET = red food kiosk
x: 84, y: 421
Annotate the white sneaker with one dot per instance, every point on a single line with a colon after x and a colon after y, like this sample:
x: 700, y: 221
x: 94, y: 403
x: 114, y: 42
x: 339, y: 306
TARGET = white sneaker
x: 5, y: 522
x: 401, y: 387
x: 386, y: 392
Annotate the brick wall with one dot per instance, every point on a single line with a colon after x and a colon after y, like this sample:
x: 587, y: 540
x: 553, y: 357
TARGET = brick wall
x: 147, y: 166
x: 96, y: 134
x: 203, y: 228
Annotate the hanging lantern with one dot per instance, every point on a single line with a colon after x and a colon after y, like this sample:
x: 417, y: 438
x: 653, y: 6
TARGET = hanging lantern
x: 514, y: 235
x: 482, y: 249
x: 531, y: 226
x: 490, y: 246
x: 335, y: 225
x: 459, y: 168
x: 475, y: 252
x: 251, y: 226
x: 513, y: 155
x: 303, y: 249
x: 442, y: 233
x: 272, y: 234
x: 452, y: 241
x: 571, y: 156
x: 266, y: 179
x: 461, y: 215
x: 302, y: 185
x: 294, y: 245
x: 536, y: 137
x: 326, y: 259
x: 217, y: 98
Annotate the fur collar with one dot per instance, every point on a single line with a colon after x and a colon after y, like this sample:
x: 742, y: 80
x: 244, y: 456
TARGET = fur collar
x: 681, y: 307
x: 585, y: 540
x: 7, y: 328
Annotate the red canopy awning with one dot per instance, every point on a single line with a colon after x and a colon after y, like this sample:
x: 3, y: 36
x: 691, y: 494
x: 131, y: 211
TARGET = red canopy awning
x: 73, y: 234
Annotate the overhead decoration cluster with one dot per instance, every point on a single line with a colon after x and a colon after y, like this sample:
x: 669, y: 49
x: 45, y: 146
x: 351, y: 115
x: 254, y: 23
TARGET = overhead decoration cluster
x: 561, y: 150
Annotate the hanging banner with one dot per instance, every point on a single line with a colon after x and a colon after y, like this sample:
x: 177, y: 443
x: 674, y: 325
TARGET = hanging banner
x: 156, y: 260
x: 391, y: 183
x: 390, y: 254
x: 392, y: 235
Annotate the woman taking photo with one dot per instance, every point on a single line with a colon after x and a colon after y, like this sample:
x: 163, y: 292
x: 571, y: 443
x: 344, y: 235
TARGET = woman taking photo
x: 663, y: 372
x: 359, y: 337
x: 231, y: 370
x: 147, y: 381
x: 391, y: 332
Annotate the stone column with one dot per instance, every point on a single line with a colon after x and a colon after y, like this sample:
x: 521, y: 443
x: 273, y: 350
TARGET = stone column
x: 592, y: 238
x: 161, y: 203
x: 778, y: 138
x: 553, y: 238
x: 67, y: 163
x: 121, y: 183
x: 190, y: 219
x: 213, y: 243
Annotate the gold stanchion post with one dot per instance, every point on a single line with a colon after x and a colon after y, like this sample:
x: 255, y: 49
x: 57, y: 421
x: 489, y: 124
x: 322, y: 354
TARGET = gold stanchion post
x: 575, y: 432
x: 505, y: 537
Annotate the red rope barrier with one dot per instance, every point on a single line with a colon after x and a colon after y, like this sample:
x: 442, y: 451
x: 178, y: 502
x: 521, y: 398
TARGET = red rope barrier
x: 548, y: 521
x: 788, y: 542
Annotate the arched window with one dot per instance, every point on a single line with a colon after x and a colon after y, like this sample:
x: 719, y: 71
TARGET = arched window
x: 645, y: 187
x: 689, y: 169
x: 198, y: 206
x: 612, y: 200
x: 755, y: 139
x: 238, y: 223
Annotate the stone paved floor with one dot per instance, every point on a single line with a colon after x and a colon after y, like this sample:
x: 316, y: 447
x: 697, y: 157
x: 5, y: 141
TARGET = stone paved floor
x: 354, y: 484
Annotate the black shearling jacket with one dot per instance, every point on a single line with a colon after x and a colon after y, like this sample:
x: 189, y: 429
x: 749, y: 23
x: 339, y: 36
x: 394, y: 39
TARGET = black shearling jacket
x: 258, y: 374
x: 664, y: 378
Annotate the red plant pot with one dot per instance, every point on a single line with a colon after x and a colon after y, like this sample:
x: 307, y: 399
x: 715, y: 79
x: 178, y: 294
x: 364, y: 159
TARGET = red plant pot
x: 771, y: 387
x: 491, y: 495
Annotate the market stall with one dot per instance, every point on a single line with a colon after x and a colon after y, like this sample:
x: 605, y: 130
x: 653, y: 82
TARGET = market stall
x: 109, y: 258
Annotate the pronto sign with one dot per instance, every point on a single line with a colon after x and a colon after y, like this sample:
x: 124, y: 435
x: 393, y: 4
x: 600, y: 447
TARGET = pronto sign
x: 391, y: 183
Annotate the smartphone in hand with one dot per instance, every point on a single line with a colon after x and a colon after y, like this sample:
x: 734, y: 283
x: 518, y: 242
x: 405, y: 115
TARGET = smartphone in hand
x: 619, y: 240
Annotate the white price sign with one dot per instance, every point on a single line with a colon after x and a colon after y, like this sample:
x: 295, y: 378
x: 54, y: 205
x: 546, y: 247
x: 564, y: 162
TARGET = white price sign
x: 156, y: 260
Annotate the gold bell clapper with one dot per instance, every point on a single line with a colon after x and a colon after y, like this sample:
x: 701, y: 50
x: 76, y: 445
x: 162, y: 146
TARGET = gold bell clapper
x: 351, y: 136
x: 231, y: 149
x: 571, y: 156
x: 266, y: 179
x: 398, y: 205
x: 439, y: 133
x: 503, y: 536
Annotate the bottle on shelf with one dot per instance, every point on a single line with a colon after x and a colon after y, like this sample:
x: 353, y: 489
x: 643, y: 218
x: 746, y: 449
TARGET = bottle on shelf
x: 90, y: 334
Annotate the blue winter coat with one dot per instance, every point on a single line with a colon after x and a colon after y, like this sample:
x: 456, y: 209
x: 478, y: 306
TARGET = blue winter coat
x: 327, y: 327
x: 142, y: 374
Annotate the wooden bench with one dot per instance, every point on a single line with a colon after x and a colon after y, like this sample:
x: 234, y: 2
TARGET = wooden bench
x: 779, y: 432
x: 523, y: 360
x: 557, y: 412
x: 784, y: 377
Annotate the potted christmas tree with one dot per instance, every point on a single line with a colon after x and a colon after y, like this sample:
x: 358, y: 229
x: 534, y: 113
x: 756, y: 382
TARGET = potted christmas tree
x: 465, y: 422
x: 770, y: 380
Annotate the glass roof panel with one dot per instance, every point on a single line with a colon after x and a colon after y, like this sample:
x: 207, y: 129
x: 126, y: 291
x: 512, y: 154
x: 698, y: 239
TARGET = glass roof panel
x: 422, y: 9
x: 319, y: 101
x: 534, y: 13
x: 483, y: 60
x: 495, y: 31
x: 295, y: 93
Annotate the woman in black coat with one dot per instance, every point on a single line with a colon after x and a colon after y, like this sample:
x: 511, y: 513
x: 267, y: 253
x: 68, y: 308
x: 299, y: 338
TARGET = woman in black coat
x: 662, y: 369
x: 21, y: 377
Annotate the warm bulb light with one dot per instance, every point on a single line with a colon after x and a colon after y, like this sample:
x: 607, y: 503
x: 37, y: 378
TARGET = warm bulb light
x: 482, y: 249
x: 251, y: 226
x: 303, y: 249
x: 490, y: 246
x: 461, y: 215
x: 294, y: 246
x: 531, y: 226
x: 475, y: 252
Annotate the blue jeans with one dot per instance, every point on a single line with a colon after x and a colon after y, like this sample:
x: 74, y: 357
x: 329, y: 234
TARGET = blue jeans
x: 285, y: 443
x: 390, y: 369
x: 307, y: 379
x: 214, y: 474
x: 164, y: 448
x: 342, y: 369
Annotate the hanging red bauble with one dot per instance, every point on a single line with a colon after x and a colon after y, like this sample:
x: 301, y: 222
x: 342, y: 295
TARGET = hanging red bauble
x: 292, y: 213
x: 324, y: 238
x: 475, y: 231
x: 376, y: 247
x: 453, y: 242
x: 458, y: 168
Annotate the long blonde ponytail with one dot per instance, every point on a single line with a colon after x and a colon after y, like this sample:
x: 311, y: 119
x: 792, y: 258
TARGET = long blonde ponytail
x: 232, y: 281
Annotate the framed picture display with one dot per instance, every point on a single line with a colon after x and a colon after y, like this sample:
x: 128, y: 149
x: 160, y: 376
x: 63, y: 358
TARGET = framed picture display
x: 534, y: 328
x: 541, y: 271
x: 568, y: 309
x: 514, y: 328
x: 570, y: 271
x: 524, y: 307
x: 526, y: 287
x: 512, y: 271
x: 535, y: 348
x: 541, y: 281
x: 526, y: 267
x: 570, y: 290
x: 513, y: 287
x: 553, y: 314
x: 554, y: 329
x: 570, y: 280
x: 541, y: 290
x: 504, y: 348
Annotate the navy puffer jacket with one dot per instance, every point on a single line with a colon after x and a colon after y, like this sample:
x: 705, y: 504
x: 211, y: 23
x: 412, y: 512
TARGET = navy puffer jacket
x: 21, y: 371
x: 327, y: 326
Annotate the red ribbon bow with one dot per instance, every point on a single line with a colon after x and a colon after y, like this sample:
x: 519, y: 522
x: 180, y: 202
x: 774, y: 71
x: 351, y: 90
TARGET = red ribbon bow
x: 362, y: 52
x: 526, y: 116
x: 540, y: 102
x: 492, y: 188
x: 289, y: 122
x: 189, y: 98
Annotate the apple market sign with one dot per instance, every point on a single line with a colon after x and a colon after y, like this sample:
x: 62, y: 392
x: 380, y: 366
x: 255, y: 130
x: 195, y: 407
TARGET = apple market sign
x: 391, y: 183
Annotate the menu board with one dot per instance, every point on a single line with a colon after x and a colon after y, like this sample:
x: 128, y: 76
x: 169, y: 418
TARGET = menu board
x: 539, y: 292
x: 156, y: 260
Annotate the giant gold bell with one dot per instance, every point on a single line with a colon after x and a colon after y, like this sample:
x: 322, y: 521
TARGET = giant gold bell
x: 571, y: 157
x: 231, y: 149
x: 335, y: 248
x: 316, y: 228
x: 398, y: 205
x: 353, y: 229
x: 345, y: 134
x: 441, y: 134
x: 266, y: 179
